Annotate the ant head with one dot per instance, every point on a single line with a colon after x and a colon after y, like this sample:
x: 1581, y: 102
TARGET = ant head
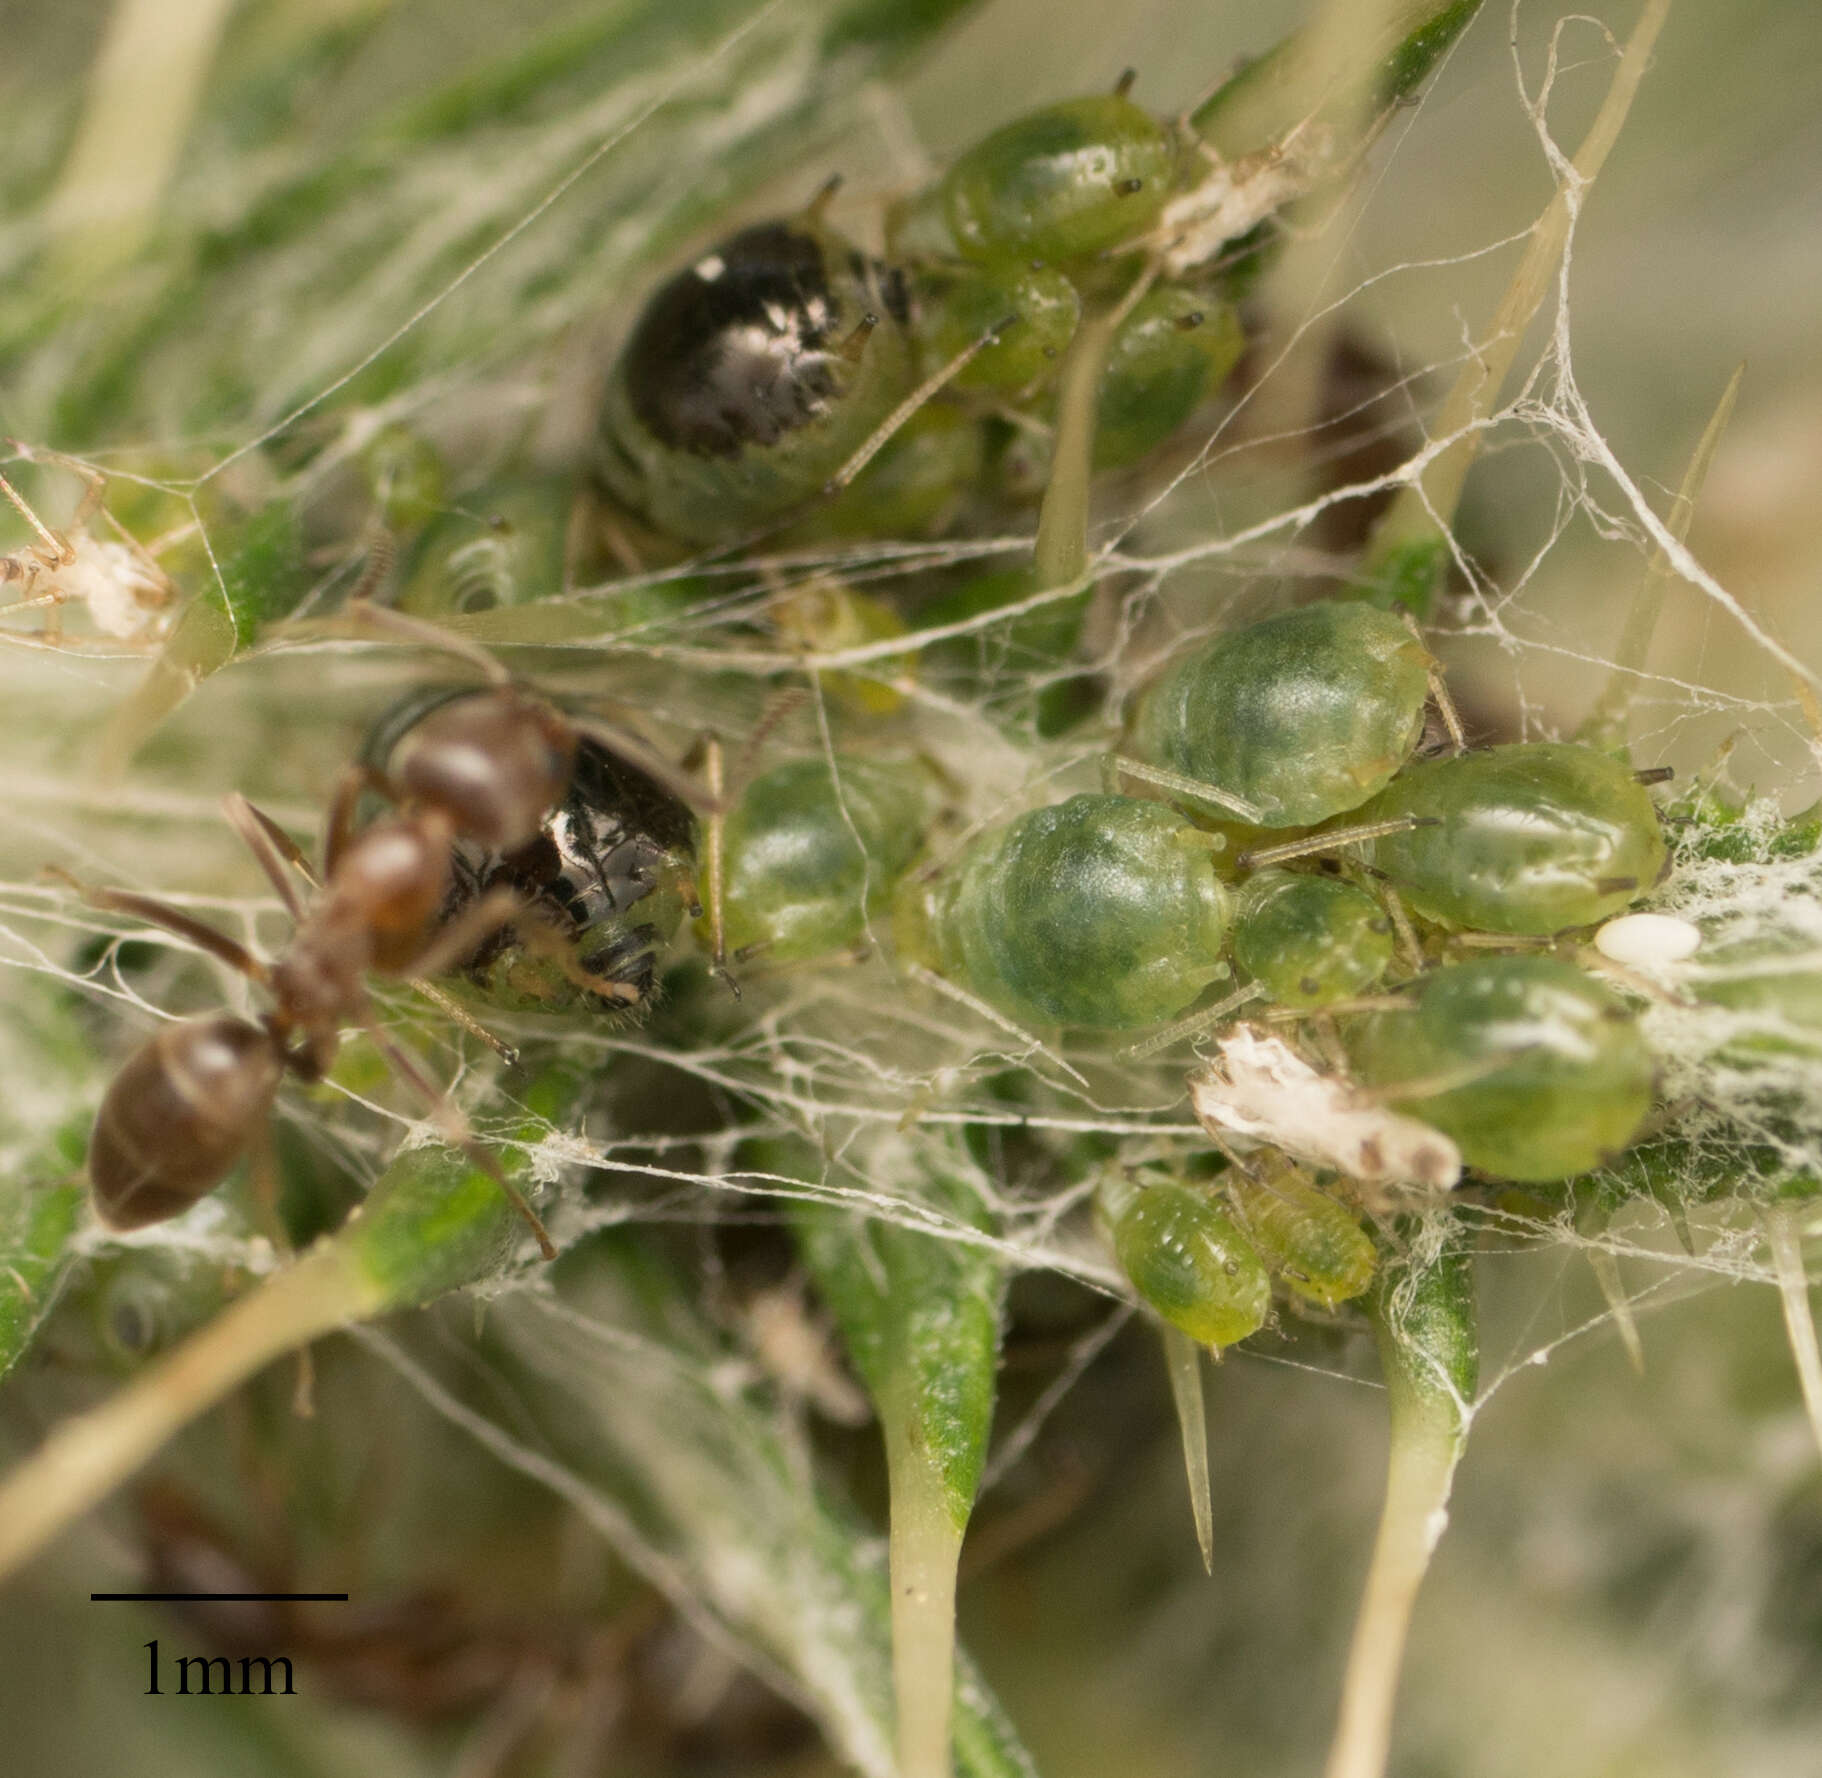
x: 495, y: 764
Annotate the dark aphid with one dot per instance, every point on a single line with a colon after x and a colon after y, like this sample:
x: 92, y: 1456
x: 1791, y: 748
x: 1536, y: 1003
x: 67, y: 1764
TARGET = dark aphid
x: 604, y: 883
x: 750, y: 379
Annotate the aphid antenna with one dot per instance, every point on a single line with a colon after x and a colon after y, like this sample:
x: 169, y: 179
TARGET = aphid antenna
x: 1446, y: 1080
x: 1193, y: 789
x: 930, y: 979
x: 1439, y: 690
x: 1632, y: 980
x: 383, y: 621
x: 1333, y: 839
x: 715, y: 846
x: 1393, y: 903
x: 1194, y: 1025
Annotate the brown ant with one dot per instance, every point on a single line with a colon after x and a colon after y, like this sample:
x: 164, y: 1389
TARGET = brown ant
x: 187, y: 1104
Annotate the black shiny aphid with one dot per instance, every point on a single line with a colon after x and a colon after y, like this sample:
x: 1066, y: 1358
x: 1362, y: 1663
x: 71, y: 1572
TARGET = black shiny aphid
x: 615, y: 840
x: 618, y: 841
x: 744, y: 346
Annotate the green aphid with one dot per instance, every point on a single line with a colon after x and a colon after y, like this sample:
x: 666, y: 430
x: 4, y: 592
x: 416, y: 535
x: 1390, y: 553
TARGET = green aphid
x: 961, y: 304
x: 1295, y: 718
x: 751, y: 379
x: 1169, y: 356
x: 1062, y: 183
x: 810, y: 855
x: 1101, y: 911
x: 1532, y: 838
x: 1309, y: 1239
x: 1308, y: 940
x: 1188, y: 1259
x: 1536, y: 1070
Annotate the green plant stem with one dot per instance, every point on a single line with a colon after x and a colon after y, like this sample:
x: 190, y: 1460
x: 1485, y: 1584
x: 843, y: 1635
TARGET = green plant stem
x: 1061, y: 555
x: 1783, y: 1231
x: 1426, y: 1446
x: 924, y: 1548
x: 87, y: 1457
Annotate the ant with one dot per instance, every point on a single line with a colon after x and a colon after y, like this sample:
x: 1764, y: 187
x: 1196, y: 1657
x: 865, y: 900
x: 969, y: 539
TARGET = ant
x: 487, y: 769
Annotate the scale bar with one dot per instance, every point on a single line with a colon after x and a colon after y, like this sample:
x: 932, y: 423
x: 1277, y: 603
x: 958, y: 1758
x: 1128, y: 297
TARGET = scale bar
x: 236, y: 1598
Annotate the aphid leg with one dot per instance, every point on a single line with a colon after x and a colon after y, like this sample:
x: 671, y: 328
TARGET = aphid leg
x: 453, y: 1127
x: 1446, y: 1080
x: 881, y: 435
x: 157, y: 913
x: 271, y: 847
x: 1439, y: 696
x: 1333, y: 839
x: 1192, y: 789
x: 715, y: 848
x: 1393, y: 904
x: 52, y: 549
x: 1194, y: 1025
x: 457, y: 1014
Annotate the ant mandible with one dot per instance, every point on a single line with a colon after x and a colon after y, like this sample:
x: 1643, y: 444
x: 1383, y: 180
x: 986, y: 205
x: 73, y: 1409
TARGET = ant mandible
x: 188, y: 1103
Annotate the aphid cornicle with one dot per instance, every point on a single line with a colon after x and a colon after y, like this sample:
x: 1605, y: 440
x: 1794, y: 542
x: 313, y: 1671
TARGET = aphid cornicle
x: 1298, y: 717
x: 1536, y: 1070
x: 1310, y: 940
x: 811, y: 851
x: 1532, y: 838
x: 185, y: 1106
x: 750, y: 379
x: 605, y: 882
x: 1101, y: 911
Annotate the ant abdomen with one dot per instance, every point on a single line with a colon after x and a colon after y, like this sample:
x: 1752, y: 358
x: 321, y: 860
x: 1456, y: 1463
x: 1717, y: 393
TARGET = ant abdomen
x: 178, y: 1116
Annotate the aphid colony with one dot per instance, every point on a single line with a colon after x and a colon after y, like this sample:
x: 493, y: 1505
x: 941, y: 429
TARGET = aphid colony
x: 1285, y: 828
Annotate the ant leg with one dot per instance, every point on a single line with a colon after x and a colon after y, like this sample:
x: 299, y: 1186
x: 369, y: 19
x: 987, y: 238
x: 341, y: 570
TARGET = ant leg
x: 454, y: 1128
x: 338, y: 824
x: 158, y: 913
x: 272, y: 849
